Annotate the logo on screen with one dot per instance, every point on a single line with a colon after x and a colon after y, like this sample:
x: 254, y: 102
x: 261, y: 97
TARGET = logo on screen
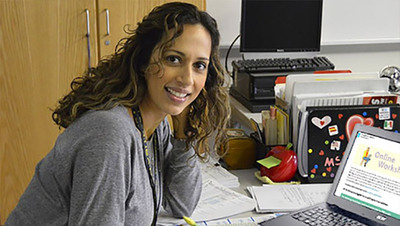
x: 366, y: 157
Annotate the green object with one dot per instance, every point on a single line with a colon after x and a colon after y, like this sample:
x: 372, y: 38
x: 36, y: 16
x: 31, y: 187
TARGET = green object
x: 270, y: 162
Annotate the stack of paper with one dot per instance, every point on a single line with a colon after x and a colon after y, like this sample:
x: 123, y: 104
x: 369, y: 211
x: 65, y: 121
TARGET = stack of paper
x: 212, y: 170
x: 285, y: 198
x: 216, y: 202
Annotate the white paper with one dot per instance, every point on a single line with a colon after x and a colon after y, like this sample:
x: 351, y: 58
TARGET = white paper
x: 281, y: 198
x: 216, y: 202
x: 212, y: 170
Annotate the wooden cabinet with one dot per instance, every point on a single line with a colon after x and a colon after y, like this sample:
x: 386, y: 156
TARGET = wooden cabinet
x: 43, y: 46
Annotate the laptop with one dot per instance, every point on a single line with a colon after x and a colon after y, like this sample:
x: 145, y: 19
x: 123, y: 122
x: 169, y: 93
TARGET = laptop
x: 366, y: 188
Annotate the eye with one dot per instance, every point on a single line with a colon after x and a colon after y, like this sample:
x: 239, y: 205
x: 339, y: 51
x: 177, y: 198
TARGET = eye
x: 201, y: 66
x: 173, y: 59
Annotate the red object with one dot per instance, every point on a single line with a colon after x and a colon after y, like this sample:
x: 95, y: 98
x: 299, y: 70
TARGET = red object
x: 280, y: 80
x: 332, y: 71
x: 286, y: 169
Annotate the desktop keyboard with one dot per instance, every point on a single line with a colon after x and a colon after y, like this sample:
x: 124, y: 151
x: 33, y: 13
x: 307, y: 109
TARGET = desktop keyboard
x: 283, y: 64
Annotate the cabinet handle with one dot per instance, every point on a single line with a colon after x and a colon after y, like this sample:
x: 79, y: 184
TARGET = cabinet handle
x: 88, y: 35
x: 107, y: 22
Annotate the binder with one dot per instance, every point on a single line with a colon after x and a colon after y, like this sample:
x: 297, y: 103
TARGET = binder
x: 326, y: 130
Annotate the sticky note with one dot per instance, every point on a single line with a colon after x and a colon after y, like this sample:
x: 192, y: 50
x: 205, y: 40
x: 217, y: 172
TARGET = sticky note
x: 270, y: 162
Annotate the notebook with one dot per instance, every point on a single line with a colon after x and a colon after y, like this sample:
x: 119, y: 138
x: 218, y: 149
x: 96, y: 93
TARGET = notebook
x: 366, y: 188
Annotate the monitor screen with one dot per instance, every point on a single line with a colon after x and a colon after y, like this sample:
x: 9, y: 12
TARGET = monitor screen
x: 280, y: 25
x: 371, y: 175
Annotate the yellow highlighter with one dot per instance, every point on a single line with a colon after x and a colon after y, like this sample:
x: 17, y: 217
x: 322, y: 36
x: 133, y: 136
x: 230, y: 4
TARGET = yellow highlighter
x: 189, y: 221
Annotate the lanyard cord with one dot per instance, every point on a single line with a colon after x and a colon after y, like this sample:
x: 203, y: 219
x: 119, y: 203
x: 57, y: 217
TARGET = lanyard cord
x: 139, y: 123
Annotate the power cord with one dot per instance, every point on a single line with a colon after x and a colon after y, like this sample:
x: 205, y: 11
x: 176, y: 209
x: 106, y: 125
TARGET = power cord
x: 227, y: 55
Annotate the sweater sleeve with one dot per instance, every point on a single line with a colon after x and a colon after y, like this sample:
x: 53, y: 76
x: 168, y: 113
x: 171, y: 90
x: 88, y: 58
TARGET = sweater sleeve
x: 100, y: 176
x: 183, y: 182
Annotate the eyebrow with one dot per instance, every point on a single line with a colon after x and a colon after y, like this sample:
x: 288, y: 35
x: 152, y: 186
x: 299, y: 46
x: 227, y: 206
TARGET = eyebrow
x: 182, y: 54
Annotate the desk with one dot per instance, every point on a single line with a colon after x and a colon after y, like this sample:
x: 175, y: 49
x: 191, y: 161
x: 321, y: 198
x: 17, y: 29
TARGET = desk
x: 246, y: 178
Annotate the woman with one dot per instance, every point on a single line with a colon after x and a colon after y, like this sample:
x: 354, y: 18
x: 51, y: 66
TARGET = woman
x: 117, y: 161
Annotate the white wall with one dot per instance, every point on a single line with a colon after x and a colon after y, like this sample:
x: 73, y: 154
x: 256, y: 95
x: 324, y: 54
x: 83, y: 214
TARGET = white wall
x: 343, y: 21
x: 348, y: 45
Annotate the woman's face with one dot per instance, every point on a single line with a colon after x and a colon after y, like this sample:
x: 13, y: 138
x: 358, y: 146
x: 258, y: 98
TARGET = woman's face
x: 183, y: 72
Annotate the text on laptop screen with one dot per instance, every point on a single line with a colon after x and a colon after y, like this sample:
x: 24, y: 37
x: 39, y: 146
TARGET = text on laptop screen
x: 371, y: 176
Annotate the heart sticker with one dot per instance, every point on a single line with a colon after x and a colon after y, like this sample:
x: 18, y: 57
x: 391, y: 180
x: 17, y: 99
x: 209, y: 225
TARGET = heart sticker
x: 313, y: 170
x: 321, y: 152
x: 329, y: 169
x: 394, y: 116
x: 340, y: 116
x: 357, y: 119
x: 321, y: 123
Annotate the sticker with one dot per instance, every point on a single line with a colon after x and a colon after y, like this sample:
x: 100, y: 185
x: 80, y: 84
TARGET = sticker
x: 384, y: 113
x: 335, y: 145
x: 388, y: 124
x: 321, y: 123
x: 333, y: 130
x: 310, y: 150
x: 357, y: 119
x: 379, y: 100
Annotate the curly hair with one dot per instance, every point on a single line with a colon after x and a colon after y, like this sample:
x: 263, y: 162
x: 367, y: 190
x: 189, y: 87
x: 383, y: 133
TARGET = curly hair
x: 119, y: 78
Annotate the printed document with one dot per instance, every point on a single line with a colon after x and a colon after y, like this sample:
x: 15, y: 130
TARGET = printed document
x: 283, y: 198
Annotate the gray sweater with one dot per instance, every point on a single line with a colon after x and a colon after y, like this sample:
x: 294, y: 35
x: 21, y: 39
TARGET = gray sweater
x: 95, y: 175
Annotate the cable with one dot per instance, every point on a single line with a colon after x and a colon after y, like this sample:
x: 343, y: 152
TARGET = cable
x: 227, y: 54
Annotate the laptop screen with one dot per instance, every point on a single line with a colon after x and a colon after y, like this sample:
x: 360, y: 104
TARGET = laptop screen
x: 371, y: 176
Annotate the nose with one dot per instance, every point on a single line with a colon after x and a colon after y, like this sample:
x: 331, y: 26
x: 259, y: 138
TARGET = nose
x: 185, y: 77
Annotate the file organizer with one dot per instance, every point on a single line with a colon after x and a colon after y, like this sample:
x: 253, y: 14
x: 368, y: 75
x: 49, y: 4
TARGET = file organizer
x: 332, y: 89
x: 326, y: 130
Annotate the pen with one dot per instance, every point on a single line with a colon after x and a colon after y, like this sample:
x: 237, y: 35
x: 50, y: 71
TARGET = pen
x: 189, y: 221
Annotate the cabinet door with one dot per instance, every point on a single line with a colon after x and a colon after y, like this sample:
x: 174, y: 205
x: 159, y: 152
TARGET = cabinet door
x: 113, y: 15
x: 42, y: 47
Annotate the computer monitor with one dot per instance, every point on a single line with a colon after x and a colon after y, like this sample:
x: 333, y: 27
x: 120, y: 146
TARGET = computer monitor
x: 280, y: 26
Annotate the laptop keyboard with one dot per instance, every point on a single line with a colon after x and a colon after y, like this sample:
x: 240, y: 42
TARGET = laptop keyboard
x: 321, y: 216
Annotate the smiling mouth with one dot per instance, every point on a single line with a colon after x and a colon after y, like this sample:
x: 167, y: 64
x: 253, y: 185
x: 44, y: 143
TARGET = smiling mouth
x: 177, y: 94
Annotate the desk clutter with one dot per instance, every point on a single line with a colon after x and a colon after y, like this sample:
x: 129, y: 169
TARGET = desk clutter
x: 317, y: 113
x: 218, y: 201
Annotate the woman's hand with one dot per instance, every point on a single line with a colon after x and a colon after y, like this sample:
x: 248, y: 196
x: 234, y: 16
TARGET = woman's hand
x: 180, y: 123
